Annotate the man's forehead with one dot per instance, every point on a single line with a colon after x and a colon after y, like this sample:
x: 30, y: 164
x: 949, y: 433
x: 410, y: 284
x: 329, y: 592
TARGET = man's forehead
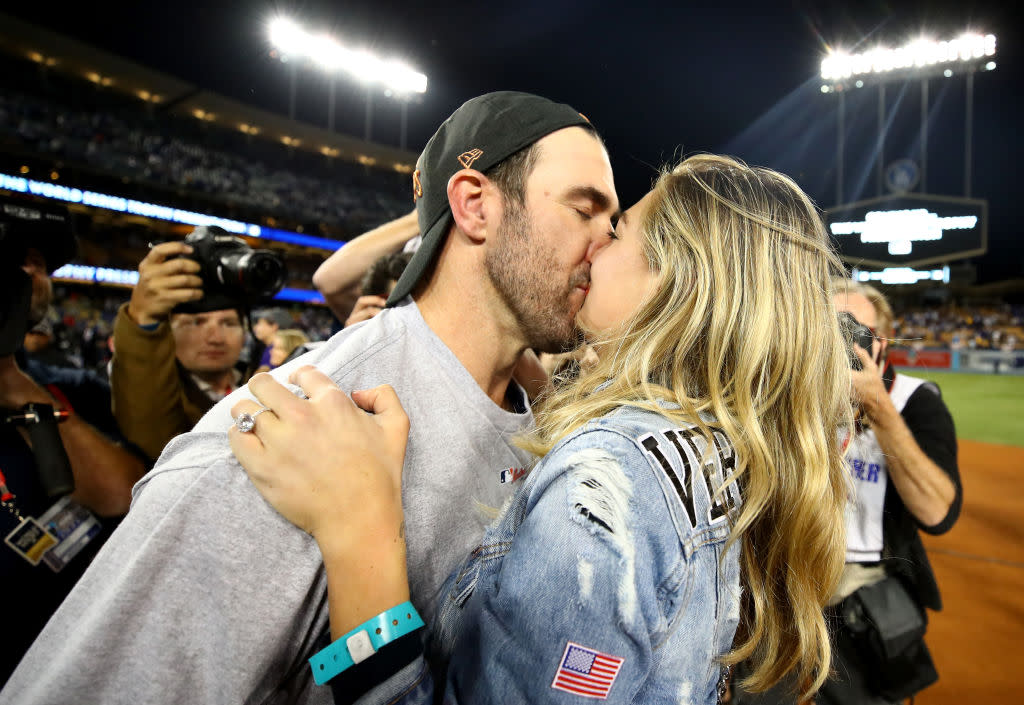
x: 225, y: 313
x: 574, y: 162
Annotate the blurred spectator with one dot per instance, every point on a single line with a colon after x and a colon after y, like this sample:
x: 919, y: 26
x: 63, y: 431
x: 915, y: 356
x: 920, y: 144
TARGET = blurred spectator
x: 285, y: 343
x: 265, y: 325
x: 384, y: 274
x: 171, y: 368
x: 376, y: 286
x: 39, y: 342
x: 340, y: 277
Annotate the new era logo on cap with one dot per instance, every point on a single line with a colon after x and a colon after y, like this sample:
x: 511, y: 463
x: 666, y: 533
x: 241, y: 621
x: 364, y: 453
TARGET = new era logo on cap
x: 466, y: 159
x: 587, y: 672
x: 417, y: 186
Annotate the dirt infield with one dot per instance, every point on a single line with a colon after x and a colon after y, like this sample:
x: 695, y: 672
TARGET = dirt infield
x: 976, y: 639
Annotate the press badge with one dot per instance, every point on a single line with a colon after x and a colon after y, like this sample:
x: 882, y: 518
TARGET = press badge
x: 30, y: 540
x: 74, y: 527
x: 57, y: 536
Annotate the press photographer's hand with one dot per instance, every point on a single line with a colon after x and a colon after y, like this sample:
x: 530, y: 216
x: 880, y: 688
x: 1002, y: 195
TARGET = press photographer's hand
x: 166, y: 279
x: 867, y: 387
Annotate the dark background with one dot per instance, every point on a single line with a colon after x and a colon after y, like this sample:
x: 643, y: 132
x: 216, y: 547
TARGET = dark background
x: 659, y: 80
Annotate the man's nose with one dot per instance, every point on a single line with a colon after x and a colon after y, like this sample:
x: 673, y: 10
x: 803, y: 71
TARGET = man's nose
x: 214, y: 334
x: 598, y: 242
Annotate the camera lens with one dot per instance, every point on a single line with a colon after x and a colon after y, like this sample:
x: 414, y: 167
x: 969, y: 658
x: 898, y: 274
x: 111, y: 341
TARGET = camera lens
x: 261, y: 273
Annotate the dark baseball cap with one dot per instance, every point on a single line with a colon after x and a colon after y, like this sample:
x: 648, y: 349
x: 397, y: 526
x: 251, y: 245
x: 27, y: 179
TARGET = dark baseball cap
x: 483, y: 132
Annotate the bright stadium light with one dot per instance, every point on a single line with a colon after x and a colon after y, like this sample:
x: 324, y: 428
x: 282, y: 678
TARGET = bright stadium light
x: 288, y: 36
x: 921, y: 59
x: 327, y: 52
x: 920, y: 54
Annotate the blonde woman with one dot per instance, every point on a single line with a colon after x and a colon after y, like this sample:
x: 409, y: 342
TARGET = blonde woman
x: 687, y: 512
x: 285, y: 343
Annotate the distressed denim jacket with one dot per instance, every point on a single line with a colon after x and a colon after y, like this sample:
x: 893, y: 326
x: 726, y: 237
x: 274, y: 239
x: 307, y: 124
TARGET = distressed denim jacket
x: 604, y: 578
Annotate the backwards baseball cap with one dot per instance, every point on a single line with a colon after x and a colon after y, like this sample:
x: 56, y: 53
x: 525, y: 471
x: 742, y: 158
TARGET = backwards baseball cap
x: 479, y: 135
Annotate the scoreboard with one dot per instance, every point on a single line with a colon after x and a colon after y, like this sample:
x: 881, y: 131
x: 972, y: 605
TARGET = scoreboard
x: 909, y: 230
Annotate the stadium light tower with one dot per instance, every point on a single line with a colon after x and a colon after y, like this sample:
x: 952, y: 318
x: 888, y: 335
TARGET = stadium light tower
x: 394, y: 76
x: 921, y: 59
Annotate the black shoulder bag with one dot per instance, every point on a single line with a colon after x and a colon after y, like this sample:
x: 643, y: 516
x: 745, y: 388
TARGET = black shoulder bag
x: 887, y: 626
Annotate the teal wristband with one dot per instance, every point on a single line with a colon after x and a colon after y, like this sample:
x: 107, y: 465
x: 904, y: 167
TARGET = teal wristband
x: 364, y: 641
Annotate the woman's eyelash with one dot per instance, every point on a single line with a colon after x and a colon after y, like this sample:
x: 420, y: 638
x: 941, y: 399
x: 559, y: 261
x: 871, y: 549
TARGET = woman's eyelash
x: 612, y: 235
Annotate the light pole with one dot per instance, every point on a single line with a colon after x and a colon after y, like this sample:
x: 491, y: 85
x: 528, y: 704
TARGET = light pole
x: 923, y: 59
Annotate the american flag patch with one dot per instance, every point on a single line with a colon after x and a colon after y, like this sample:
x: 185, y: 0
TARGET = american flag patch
x: 512, y: 474
x: 586, y: 672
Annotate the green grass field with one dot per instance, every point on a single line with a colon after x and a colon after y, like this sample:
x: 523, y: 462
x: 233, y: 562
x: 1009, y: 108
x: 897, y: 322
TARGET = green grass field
x: 987, y: 408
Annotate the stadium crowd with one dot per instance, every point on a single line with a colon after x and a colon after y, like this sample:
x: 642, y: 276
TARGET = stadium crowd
x: 114, y: 135
x: 958, y: 327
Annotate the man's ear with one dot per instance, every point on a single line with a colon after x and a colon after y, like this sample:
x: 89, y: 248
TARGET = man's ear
x: 467, y: 197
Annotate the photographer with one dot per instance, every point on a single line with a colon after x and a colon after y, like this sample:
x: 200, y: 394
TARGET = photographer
x: 903, y: 465
x: 905, y: 479
x: 179, y: 338
x: 60, y: 460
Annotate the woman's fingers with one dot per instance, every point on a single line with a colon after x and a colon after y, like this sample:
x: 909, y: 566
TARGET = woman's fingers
x: 274, y: 395
x: 248, y: 448
x: 389, y: 417
x: 379, y: 400
x: 313, y: 382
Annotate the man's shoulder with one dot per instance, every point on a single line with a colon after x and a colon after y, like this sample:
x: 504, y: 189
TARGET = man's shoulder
x: 351, y: 347
x: 186, y: 458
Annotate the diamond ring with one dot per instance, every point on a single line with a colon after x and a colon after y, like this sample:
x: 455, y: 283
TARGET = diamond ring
x: 246, y: 422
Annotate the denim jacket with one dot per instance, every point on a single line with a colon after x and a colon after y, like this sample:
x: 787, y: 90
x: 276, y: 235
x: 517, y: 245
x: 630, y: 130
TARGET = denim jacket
x: 603, y: 578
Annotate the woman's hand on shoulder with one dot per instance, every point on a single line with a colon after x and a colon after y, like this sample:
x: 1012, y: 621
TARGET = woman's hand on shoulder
x: 325, y: 463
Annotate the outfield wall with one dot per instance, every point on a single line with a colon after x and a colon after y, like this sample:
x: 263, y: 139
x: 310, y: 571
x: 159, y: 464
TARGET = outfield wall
x: 990, y: 361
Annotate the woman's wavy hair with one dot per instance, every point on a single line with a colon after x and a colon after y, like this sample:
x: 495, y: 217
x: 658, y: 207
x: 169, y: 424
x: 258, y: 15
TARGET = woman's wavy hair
x: 742, y: 328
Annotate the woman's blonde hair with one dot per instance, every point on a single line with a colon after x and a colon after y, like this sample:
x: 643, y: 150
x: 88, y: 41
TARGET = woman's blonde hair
x: 291, y: 338
x: 742, y: 327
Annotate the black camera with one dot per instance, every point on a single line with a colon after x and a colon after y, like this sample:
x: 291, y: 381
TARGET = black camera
x: 233, y: 273
x: 856, y: 333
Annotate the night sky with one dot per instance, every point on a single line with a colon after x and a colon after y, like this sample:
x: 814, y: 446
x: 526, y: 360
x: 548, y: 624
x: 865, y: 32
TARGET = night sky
x: 659, y: 80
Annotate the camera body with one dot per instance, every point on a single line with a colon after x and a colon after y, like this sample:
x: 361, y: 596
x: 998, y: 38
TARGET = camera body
x: 233, y: 273
x: 856, y: 333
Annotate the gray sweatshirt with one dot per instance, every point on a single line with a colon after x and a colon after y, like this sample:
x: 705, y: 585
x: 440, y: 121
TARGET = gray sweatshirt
x: 205, y: 594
